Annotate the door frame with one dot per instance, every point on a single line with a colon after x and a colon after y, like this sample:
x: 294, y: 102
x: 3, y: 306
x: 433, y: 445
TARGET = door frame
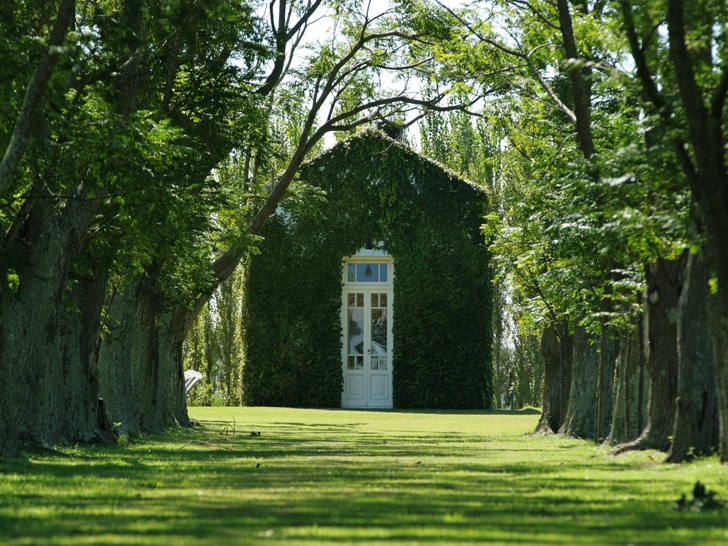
x: 367, y: 256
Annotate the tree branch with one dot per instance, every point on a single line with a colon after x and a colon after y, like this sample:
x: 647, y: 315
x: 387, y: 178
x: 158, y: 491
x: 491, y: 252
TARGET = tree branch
x: 582, y: 99
x: 718, y: 100
x: 534, y: 285
x: 326, y: 86
x: 640, y: 59
x: 282, y: 37
x: 550, y: 92
x: 651, y: 91
x: 34, y: 95
x: 692, y: 100
x: 536, y: 12
x: 304, y: 18
x: 519, y: 54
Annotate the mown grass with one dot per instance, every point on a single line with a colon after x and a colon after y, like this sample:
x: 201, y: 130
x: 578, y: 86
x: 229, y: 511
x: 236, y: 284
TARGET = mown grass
x: 354, y: 477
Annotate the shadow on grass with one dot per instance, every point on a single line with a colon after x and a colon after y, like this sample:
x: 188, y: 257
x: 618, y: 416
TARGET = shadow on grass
x: 329, y: 484
x: 525, y: 411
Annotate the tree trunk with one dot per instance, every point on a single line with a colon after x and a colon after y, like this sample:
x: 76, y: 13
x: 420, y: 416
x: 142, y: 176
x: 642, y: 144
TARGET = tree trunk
x: 626, y: 411
x: 580, y: 87
x: 171, y: 397
x: 580, y: 413
x: 128, y: 359
x: 557, y: 380
x: 718, y: 309
x: 8, y: 431
x: 79, y: 384
x: 608, y: 354
x: 32, y: 324
x: 704, y: 111
x: 663, y: 284
x: 116, y: 358
x: 140, y: 362
x: 696, y: 420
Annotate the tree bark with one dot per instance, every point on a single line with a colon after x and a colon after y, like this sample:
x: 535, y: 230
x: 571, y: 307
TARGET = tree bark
x: 718, y: 310
x: 79, y: 384
x: 696, y: 420
x: 580, y: 413
x: 626, y: 411
x: 587, y: 363
x: 556, y: 351
x: 9, y: 446
x: 171, y: 397
x: 140, y: 362
x: 34, y: 324
x: 663, y: 284
x: 116, y: 358
x: 580, y: 88
x: 608, y: 354
x: 709, y: 186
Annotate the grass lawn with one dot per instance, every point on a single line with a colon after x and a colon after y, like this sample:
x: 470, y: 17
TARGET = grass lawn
x: 354, y: 477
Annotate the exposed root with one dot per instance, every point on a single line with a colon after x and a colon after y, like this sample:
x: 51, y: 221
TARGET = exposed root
x: 640, y: 444
x: 543, y: 429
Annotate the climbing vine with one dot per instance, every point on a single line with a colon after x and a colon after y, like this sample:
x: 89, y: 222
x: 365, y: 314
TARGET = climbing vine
x: 370, y: 188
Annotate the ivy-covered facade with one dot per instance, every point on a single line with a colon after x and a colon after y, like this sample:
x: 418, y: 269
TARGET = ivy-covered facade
x: 406, y: 324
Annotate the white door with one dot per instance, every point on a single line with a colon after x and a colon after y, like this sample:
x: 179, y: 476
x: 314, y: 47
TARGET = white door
x: 367, y: 351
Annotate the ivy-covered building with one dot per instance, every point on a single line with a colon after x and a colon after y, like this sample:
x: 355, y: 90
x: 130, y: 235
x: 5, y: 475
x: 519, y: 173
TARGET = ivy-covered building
x: 371, y: 288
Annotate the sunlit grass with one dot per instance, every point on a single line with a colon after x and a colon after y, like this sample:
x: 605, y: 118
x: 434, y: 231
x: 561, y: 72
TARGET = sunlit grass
x: 353, y: 477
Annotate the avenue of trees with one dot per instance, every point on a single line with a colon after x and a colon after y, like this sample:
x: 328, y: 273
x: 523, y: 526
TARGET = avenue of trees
x: 118, y: 215
x: 145, y: 144
x: 609, y: 193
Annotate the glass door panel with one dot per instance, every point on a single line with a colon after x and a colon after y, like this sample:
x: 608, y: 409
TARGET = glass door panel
x: 367, y: 339
x: 355, y: 332
x: 379, y: 332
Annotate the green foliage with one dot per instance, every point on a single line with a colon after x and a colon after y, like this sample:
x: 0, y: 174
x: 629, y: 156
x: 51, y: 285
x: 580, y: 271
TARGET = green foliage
x: 145, y: 101
x: 370, y: 188
x: 521, y: 372
x: 123, y: 440
x: 214, y: 347
x: 292, y: 327
x: 569, y: 235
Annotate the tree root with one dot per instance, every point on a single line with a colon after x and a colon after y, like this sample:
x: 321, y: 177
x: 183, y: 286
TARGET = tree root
x: 543, y: 428
x: 644, y: 442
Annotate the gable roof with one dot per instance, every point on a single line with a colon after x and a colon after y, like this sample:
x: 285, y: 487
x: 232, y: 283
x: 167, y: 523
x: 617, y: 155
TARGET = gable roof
x: 377, y: 138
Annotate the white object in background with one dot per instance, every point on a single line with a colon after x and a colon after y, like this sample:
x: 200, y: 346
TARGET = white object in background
x: 192, y: 378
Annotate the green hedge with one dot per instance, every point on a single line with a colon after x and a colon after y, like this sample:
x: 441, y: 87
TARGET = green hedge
x: 370, y: 188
